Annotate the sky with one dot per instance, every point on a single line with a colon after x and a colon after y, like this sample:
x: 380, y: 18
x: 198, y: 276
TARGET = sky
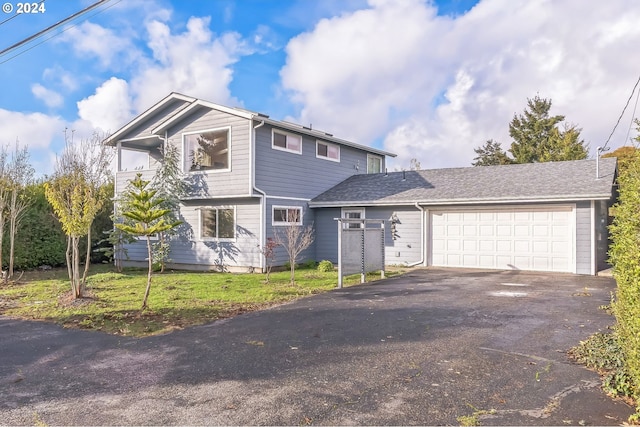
x: 425, y: 79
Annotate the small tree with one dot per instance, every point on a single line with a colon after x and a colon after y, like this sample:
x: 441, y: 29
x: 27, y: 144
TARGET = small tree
x: 20, y: 176
x: 269, y: 254
x: 491, y: 153
x: 143, y: 209
x: 295, y: 238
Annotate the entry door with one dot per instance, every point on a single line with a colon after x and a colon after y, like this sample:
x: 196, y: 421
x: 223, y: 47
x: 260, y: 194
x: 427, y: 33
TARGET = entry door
x: 504, y: 238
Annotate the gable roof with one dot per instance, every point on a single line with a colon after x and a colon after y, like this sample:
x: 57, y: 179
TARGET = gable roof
x: 531, y: 182
x: 189, y: 104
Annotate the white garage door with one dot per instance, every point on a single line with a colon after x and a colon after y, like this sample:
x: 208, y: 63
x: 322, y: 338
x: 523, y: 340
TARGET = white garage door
x: 505, y: 238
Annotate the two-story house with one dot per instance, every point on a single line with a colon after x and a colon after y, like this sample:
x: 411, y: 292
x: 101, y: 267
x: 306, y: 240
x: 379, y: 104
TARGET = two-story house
x: 249, y: 175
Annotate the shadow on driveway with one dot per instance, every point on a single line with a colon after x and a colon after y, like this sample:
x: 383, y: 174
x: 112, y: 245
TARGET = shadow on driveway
x: 423, y: 348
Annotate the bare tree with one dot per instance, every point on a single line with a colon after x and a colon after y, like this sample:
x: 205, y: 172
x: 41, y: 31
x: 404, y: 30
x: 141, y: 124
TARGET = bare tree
x: 294, y: 238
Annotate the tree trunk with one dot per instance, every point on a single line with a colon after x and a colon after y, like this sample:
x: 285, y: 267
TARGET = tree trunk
x: 87, y: 261
x: 76, y: 267
x: 68, y: 258
x: 293, y: 271
x: 146, y: 292
x: 162, y: 249
x: 3, y: 220
x: 12, y: 240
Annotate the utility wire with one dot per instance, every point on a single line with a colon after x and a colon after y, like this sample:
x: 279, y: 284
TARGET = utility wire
x: 15, y: 15
x: 635, y: 107
x: 621, y: 114
x: 48, y: 29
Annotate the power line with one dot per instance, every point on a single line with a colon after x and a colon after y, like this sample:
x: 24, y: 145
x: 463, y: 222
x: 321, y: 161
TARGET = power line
x: 635, y: 107
x: 622, y: 114
x: 48, y: 29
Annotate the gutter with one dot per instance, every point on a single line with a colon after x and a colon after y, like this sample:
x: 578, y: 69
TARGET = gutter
x: 423, y: 249
x: 263, y: 195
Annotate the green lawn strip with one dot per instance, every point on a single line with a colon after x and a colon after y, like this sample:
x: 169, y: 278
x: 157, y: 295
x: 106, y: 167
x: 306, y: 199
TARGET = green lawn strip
x: 177, y: 299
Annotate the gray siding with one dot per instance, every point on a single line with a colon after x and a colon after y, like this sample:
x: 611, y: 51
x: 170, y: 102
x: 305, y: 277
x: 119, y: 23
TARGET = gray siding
x: 602, y: 234
x: 286, y: 174
x: 123, y: 178
x: 308, y: 218
x: 212, y: 183
x: 405, y: 248
x: 583, y: 238
x: 145, y: 127
x: 188, y: 251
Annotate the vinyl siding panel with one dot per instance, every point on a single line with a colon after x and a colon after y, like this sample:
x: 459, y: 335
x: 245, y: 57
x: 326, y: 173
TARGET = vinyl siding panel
x: 123, y: 178
x: 145, y: 127
x: 188, y: 251
x: 326, y: 234
x: 583, y: 238
x: 208, y: 184
x: 308, y: 218
x: 286, y: 174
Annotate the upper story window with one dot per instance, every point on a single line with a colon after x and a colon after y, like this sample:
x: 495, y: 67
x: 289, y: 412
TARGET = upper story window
x: 374, y: 164
x: 217, y: 223
x: 287, y: 142
x: 327, y: 151
x: 133, y: 160
x: 287, y: 215
x: 208, y: 150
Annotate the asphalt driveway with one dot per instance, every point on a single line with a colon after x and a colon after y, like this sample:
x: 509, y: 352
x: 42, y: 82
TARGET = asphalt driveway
x: 424, y: 348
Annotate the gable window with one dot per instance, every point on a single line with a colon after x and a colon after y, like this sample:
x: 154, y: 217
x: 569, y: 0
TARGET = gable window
x: 287, y: 142
x: 328, y: 151
x: 217, y: 223
x: 208, y: 150
x: 353, y: 214
x: 287, y: 215
x: 374, y: 164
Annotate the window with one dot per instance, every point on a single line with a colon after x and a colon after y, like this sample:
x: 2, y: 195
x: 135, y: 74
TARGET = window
x: 217, y: 223
x: 133, y: 160
x: 353, y: 214
x: 287, y: 142
x: 287, y: 215
x: 328, y: 151
x: 374, y: 164
x: 207, y: 150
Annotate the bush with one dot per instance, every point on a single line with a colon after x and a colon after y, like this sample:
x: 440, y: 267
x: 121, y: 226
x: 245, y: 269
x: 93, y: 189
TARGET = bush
x: 325, y: 266
x: 625, y: 258
x: 310, y: 264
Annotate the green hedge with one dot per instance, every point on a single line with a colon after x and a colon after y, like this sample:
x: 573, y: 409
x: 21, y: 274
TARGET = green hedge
x: 625, y: 258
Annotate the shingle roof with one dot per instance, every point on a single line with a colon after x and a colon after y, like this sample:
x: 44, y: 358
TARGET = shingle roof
x: 553, y: 181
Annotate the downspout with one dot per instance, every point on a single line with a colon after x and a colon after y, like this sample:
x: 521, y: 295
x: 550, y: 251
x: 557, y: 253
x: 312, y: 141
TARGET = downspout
x: 263, y: 195
x: 423, y: 249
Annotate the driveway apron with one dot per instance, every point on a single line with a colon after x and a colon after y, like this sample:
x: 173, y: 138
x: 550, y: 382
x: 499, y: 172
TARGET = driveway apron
x: 427, y: 347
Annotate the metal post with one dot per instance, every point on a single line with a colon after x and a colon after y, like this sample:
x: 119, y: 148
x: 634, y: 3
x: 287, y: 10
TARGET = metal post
x: 382, y: 248
x: 363, y: 274
x: 339, y: 254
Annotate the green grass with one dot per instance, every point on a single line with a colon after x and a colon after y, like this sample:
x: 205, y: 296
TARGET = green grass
x: 177, y: 299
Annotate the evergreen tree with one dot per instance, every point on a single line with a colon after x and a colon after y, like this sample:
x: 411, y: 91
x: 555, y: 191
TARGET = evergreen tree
x: 491, y: 153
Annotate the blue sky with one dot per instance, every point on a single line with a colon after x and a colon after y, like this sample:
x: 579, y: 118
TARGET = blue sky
x: 425, y: 79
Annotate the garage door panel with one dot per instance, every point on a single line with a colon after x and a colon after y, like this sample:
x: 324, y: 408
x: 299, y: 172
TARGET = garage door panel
x: 504, y: 238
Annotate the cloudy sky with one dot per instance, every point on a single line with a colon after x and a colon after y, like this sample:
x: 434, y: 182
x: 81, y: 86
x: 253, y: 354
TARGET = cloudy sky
x: 425, y: 79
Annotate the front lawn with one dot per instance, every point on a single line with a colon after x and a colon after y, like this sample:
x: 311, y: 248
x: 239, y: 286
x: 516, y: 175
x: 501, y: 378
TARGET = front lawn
x: 177, y: 299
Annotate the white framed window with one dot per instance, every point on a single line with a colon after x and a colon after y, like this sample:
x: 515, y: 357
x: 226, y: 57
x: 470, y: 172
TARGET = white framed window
x: 286, y: 141
x: 133, y: 160
x: 325, y: 150
x: 374, y: 164
x: 286, y: 215
x: 217, y: 223
x: 353, y: 214
x: 208, y: 150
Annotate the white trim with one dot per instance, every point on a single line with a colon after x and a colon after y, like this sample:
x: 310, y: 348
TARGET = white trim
x: 286, y: 223
x: 444, y: 203
x: 351, y: 225
x: 139, y: 150
x: 205, y: 171
x: 200, y: 237
x: 328, y: 144
x: 200, y: 103
x: 300, y: 199
x: 286, y: 134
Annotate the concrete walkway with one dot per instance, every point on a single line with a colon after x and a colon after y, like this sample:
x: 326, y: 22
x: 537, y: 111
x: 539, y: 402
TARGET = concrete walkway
x: 424, y: 348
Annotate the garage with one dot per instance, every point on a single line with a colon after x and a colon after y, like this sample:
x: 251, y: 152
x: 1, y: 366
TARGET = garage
x: 510, y: 238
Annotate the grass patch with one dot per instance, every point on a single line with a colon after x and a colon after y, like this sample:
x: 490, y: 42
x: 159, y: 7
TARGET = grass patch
x: 177, y: 299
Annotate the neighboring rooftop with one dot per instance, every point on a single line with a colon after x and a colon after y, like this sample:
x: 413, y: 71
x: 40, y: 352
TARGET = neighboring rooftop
x: 530, y: 182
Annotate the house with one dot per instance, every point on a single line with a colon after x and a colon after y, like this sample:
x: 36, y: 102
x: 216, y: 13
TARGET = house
x: 249, y: 176
x: 537, y: 216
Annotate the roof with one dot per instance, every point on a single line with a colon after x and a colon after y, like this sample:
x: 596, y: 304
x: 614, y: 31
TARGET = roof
x: 191, y: 104
x: 531, y: 182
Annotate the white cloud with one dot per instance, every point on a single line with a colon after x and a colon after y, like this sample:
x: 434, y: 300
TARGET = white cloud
x: 50, y: 97
x: 109, y: 108
x: 435, y: 87
x: 35, y: 130
x: 195, y: 62
x: 93, y: 39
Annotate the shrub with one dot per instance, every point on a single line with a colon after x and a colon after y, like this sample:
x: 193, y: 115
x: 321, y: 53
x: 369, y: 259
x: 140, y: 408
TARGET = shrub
x: 310, y: 264
x: 325, y: 266
x: 625, y: 258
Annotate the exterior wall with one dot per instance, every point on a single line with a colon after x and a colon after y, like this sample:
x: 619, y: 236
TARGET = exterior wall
x: 208, y: 184
x: 602, y: 234
x: 584, y: 255
x: 286, y: 174
x: 308, y: 219
x: 123, y: 178
x: 189, y: 251
x: 404, y: 246
x: 145, y: 127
